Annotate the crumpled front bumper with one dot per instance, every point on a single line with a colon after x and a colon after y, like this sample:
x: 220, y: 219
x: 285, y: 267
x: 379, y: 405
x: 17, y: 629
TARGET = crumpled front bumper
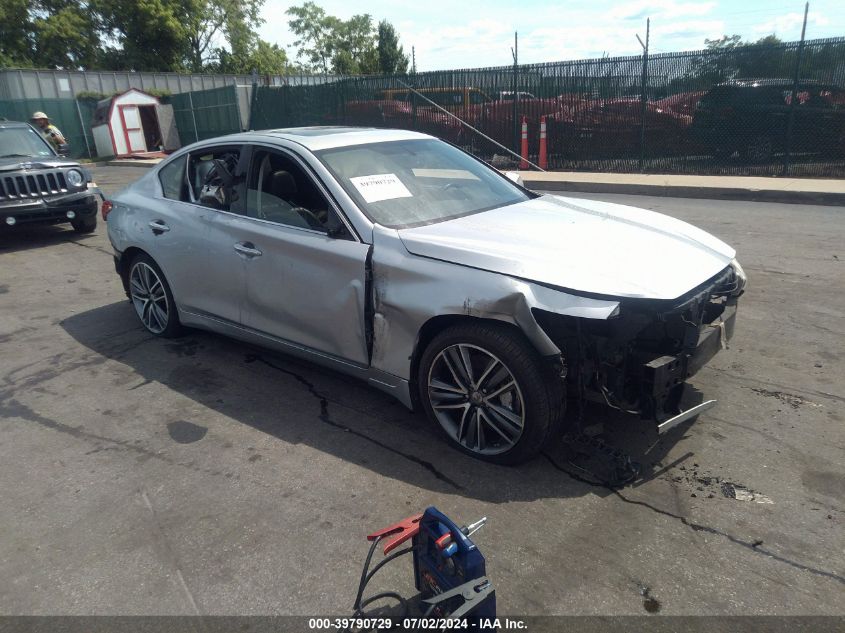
x: 664, y: 377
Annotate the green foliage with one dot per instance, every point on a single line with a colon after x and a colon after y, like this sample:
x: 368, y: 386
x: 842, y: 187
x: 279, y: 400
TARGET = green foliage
x: 93, y: 95
x: 391, y: 57
x: 315, y: 34
x: 142, y: 35
x: 263, y: 57
x: 15, y: 30
x: 355, y: 46
x: 150, y: 33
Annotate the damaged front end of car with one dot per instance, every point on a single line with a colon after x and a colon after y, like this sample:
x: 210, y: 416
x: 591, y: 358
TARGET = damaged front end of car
x: 639, y: 358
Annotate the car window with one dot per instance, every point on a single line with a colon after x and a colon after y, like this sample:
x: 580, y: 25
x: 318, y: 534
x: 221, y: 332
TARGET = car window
x: 279, y: 190
x: 172, y: 178
x: 213, y: 178
x: 407, y: 183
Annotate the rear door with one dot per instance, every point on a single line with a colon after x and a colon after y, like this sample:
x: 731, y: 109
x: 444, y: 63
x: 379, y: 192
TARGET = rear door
x: 306, y: 273
x: 189, y: 233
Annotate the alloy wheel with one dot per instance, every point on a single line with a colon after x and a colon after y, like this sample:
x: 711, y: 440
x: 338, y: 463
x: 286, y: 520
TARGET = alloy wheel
x: 149, y: 298
x: 476, y: 399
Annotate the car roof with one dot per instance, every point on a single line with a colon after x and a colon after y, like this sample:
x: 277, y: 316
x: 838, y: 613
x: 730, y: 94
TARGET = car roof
x: 4, y: 123
x: 327, y: 137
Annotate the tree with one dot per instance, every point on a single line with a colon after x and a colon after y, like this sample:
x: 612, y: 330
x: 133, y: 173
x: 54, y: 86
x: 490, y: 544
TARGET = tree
x: 391, y: 57
x: 726, y: 42
x: 353, y: 45
x: 15, y: 26
x: 346, y: 47
x: 65, y: 34
x: 262, y: 57
x: 208, y: 21
x: 315, y: 31
x: 150, y: 34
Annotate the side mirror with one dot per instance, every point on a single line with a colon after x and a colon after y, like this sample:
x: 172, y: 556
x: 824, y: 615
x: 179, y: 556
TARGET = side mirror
x: 512, y: 175
x: 63, y: 150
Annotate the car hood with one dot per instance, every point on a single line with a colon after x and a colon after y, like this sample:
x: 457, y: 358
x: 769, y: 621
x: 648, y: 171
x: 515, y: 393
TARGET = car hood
x: 581, y: 245
x: 15, y: 163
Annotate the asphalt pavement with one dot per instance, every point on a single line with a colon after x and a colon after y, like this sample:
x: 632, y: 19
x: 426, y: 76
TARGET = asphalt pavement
x: 203, y: 476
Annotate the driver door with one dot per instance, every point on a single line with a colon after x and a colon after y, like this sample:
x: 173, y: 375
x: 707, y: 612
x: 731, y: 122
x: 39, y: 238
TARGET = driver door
x: 305, y: 283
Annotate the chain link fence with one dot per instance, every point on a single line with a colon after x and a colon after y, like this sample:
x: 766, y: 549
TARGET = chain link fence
x: 751, y: 110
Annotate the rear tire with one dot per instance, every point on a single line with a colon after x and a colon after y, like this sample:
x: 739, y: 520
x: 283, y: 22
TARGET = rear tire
x: 152, y: 299
x: 85, y: 225
x: 463, y: 383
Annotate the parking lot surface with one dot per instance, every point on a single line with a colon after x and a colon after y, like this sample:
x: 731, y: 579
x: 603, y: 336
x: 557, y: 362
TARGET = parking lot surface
x: 200, y: 475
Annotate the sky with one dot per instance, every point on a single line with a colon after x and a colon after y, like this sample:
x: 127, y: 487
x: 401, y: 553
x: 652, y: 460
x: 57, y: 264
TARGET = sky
x: 454, y: 34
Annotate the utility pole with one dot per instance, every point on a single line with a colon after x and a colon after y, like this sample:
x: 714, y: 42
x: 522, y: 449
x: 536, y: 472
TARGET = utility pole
x: 643, y: 92
x: 791, y: 123
x: 515, y: 55
x: 414, y: 85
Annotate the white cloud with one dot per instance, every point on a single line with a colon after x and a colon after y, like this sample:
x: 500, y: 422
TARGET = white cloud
x: 660, y: 9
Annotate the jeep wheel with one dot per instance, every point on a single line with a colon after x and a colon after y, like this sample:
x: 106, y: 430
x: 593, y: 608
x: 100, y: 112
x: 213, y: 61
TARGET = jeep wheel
x: 489, y: 392
x: 85, y: 225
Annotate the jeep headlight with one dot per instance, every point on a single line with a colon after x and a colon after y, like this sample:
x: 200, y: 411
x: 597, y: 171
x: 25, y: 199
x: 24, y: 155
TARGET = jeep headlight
x: 741, y: 278
x: 74, y: 177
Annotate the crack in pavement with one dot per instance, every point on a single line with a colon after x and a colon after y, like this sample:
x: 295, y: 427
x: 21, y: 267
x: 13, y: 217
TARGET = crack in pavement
x: 326, y: 418
x: 93, y: 248
x: 753, y: 546
x: 766, y: 383
x: 14, y: 408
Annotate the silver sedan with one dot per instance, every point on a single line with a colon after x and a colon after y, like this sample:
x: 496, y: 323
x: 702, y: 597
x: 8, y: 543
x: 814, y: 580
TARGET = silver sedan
x: 398, y: 258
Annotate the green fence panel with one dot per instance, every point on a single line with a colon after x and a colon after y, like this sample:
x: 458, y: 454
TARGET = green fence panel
x: 205, y: 114
x: 72, y: 117
x: 605, y: 114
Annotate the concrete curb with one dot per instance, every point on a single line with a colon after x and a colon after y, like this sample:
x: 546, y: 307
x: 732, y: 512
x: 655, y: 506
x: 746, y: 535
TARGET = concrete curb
x: 826, y: 198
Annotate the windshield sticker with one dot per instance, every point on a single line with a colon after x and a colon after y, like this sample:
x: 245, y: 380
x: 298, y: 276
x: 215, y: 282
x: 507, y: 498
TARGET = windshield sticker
x: 380, y: 187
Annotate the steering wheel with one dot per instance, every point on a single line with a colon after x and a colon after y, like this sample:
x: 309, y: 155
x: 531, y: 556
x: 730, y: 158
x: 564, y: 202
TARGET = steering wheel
x: 310, y: 218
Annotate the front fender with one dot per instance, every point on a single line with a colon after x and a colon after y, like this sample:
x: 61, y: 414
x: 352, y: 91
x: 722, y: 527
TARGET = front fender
x: 409, y: 290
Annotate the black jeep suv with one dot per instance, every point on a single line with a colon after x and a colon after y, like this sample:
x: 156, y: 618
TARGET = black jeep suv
x: 751, y: 116
x: 38, y: 185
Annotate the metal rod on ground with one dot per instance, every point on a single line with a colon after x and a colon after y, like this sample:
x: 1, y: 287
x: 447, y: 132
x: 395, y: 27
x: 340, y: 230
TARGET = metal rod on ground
x: 82, y: 124
x: 467, y: 125
x: 790, y: 124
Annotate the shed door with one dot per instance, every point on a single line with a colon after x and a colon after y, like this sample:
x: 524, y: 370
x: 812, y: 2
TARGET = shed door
x: 132, y: 129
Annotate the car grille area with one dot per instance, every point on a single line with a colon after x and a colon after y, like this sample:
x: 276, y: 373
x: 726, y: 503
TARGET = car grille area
x: 23, y: 186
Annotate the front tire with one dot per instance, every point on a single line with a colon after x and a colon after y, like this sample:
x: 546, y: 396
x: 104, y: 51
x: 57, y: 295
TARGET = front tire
x: 489, y: 392
x: 85, y: 225
x: 152, y: 299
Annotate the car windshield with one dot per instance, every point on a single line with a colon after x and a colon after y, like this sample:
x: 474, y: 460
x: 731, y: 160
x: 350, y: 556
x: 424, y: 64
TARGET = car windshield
x: 414, y: 182
x: 22, y: 141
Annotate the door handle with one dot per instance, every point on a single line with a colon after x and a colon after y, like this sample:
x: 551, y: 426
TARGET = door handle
x: 248, y: 249
x: 159, y: 227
